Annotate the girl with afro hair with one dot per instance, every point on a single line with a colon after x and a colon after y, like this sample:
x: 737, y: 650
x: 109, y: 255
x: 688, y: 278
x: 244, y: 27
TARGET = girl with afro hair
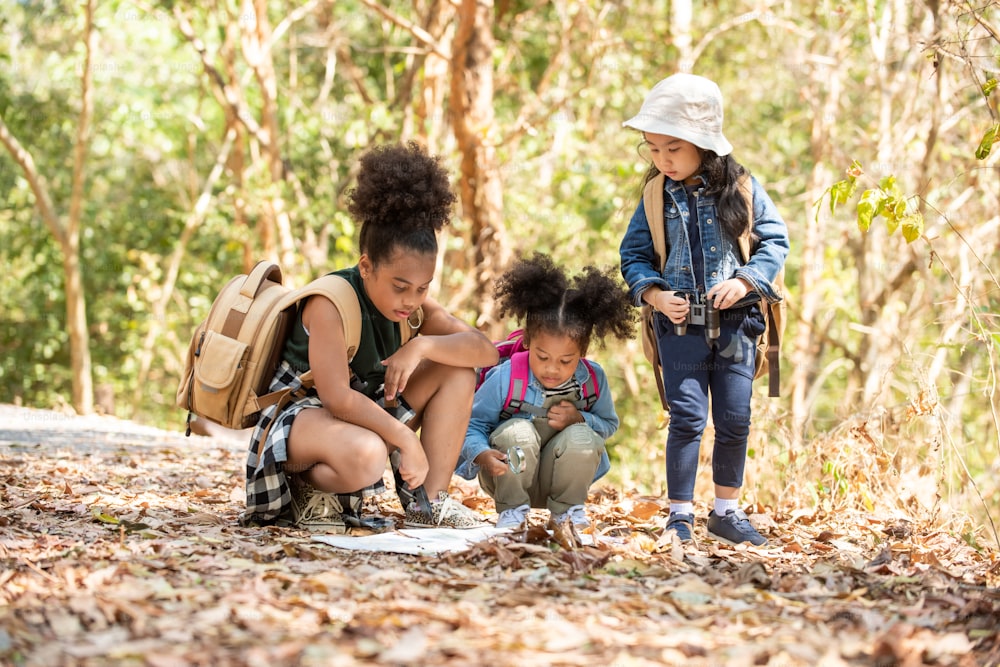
x: 326, y: 451
x: 560, y: 437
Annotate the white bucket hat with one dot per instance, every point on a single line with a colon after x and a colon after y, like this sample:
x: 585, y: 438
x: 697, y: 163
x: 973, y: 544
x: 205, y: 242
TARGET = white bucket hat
x: 685, y: 106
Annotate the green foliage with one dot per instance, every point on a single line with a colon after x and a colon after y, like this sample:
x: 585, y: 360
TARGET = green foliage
x: 886, y: 200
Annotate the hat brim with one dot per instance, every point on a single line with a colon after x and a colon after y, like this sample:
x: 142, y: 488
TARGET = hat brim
x: 718, y: 144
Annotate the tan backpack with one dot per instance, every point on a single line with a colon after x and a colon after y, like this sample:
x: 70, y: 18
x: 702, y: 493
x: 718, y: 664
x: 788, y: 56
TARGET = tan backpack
x: 235, y: 352
x: 768, y: 344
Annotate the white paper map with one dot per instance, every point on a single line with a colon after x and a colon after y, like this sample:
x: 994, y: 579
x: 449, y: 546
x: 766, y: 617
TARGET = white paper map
x: 416, y: 541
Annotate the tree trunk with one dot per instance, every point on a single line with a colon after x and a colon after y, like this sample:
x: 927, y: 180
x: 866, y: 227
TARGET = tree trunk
x: 480, y: 187
x: 67, y: 234
x: 275, y: 222
x: 76, y: 302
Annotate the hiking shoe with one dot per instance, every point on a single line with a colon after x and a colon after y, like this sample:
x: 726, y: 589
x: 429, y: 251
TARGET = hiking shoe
x: 513, y: 517
x: 446, y: 513
x: 352, y: 514
x: 680, y: 524
x: 577, y: 515
x: 314, y: 510
x: 734, y: 528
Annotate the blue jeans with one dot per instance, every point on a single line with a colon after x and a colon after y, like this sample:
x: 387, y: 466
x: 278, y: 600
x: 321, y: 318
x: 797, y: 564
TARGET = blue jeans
x: 692, y: 369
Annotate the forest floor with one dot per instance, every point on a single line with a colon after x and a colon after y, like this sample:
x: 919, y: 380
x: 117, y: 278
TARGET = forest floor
x: 119, y: 544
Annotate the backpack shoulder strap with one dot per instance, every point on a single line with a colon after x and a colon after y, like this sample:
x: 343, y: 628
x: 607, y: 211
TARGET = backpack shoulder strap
x: 652, y: 204
x: 745, y: 186
x: 591, y: 390
x: 518, y: 386
x: 772, y: 350
x: 344, y: 298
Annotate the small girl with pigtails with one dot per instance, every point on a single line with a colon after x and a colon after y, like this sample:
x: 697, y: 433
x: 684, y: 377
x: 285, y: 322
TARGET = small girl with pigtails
x: 546, y: 446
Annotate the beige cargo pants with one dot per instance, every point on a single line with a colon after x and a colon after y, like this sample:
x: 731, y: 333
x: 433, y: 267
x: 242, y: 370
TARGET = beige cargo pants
x: 559, y: 465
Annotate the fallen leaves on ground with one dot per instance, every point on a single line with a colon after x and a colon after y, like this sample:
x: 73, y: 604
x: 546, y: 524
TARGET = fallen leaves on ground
x: 130, y: 553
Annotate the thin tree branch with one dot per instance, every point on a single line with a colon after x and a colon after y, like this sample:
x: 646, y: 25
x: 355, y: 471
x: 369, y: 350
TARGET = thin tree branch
x: 35, y: 180
x: 239, y: 112
x: 422, y: 35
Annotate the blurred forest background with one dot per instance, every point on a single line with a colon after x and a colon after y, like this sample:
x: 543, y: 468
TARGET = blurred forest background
x: 150, y: 151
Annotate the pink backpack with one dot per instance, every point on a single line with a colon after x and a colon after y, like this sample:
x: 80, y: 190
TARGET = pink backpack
x: 512, y: 347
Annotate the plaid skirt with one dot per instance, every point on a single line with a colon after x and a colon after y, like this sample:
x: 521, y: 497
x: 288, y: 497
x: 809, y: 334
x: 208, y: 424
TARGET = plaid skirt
x: 269, y: 498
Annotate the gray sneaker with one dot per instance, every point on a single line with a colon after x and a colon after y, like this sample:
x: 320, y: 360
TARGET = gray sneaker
x: 680, y: 523
x: 513, y: 517
x: 734, y: 528
x: 314, y: 510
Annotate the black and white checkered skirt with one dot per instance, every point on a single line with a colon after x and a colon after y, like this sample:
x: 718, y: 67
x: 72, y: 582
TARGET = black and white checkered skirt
x: 268, y: 495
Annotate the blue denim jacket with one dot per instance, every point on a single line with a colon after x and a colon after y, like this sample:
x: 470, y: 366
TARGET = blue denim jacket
x: 489, y: 401
x: 722, y: 255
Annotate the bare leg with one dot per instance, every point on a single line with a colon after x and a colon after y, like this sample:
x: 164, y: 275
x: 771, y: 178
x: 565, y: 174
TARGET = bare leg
x: 727, y: 492
x: 332, y: 455
x: 442, y: 398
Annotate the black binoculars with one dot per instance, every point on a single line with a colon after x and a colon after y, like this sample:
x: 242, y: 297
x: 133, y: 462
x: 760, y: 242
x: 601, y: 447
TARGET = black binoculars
x: 702, y: 311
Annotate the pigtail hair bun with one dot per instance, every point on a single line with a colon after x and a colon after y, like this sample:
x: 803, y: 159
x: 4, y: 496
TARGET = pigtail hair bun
x: 534, y: 285
x: 598, y: 297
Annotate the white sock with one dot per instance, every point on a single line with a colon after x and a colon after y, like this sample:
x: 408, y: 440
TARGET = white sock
x: 682, y: 508
x: 723, y: 505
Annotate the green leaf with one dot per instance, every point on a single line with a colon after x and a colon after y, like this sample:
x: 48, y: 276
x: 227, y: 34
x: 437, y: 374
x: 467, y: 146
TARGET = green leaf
x: 986, y: 145
x: 104, y: 517
x: 913, y: 227
x: 870, y: 206
x: 989, y: 86
x: 841, y: 191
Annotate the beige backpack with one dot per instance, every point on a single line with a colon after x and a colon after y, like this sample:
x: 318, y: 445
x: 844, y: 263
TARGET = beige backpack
x: 768, y: 344
x: 235, y: 352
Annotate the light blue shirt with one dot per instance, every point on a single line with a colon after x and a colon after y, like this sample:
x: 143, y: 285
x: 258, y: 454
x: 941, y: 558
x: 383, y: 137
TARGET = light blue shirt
x: 488, y: 404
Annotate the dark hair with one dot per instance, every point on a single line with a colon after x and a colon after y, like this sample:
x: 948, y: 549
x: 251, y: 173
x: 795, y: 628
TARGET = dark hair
x: 722, y: 174
x: 593, y: 303
x: 402, y: 199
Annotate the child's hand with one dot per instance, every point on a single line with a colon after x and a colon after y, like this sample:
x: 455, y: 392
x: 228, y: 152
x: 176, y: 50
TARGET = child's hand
x: 728, y: 292
x: 400, y: 366
x: 563, y: 414
x: 672, y: 305
x: 492, y: 462
x: 413, y: 466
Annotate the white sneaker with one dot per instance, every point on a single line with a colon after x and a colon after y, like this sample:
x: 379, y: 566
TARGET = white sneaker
x: 513, y: 517
x: 577, y: 515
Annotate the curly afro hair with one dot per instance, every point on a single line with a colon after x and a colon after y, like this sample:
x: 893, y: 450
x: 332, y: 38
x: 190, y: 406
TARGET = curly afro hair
x: 592, y: 304
x: 402, y: 199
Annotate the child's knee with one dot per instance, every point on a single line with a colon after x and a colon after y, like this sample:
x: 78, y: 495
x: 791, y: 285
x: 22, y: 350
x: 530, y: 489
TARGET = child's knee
x: 579, y: 438
x: 515, y: 432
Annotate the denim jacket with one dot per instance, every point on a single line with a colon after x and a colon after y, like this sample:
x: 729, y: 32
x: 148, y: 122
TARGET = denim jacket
x: 722, y: 255
x: 489, y: 400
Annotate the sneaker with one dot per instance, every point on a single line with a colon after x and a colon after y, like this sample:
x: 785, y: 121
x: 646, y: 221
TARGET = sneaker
x: 734, y: 528
x: 577, y: 515
x: 314, y: 510
x: 513, y: 517
x: 681, y: 524
x: 446, y: 513
x: 352, y: 514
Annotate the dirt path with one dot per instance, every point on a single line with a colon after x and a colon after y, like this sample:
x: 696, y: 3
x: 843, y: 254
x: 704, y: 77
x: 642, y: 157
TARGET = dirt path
x: 120, y: 545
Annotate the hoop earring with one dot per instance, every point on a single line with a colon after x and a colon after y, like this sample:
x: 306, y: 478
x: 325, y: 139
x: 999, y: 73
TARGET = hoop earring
x: 420, y: 322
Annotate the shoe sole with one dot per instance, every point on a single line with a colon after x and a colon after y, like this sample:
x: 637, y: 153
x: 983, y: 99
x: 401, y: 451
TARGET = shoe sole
x: 336, y: 528
x: 736, y: 544
x: 421, y: 524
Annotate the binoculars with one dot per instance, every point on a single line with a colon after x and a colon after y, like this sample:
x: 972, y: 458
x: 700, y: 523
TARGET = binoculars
x: 702, y: 312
